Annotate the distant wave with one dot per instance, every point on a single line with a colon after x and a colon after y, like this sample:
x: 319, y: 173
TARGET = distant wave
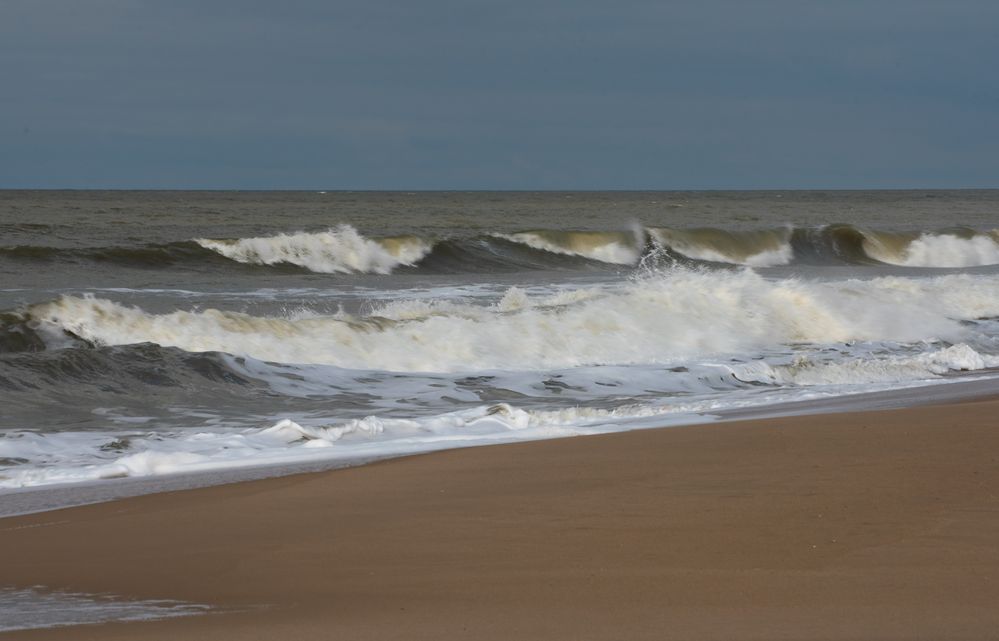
x: 343, y: 250
x: 619, y: 248
x: 754, y: 248
x: 151, y: 256
x: 340, y: 250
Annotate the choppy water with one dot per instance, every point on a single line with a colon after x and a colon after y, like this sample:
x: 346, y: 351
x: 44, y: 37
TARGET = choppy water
x: 144, y: 333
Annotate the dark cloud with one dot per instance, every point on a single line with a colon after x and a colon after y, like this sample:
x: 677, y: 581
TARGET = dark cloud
x: 440, y: 94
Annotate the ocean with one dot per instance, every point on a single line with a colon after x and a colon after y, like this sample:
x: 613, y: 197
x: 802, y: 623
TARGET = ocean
x: 155, y: 334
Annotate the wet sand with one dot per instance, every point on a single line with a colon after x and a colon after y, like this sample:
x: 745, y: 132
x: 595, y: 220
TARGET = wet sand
x: 873, y: 525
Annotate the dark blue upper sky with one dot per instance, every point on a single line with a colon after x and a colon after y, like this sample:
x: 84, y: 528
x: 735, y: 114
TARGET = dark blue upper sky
x: 442, y: 94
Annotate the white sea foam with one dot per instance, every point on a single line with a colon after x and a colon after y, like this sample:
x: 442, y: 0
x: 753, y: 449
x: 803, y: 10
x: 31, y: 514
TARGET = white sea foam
x: 32, y: 609
x: 660, y: 319
x: 69, y: 457
x: 815, y: 371
x: 75, y: 457
x: 667, y: 347
x: 339, y: 250
x: 942, y: 250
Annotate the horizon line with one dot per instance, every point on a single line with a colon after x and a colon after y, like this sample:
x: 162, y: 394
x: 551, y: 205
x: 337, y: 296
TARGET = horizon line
x: 324, y: 190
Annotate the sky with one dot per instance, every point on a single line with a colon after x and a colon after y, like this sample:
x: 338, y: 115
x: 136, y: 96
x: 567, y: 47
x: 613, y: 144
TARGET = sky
x: 447, y: 94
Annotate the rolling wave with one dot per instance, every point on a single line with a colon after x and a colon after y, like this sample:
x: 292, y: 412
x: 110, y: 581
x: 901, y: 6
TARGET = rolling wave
x: 344, y: 250
x: 142, y: 370
x: 961, y: 248
x: 619, y: 248
x: 657, y: 319
x: 129, y: 392
x: 340, y: 250
x: 154, y: 256
x: 757, y: 248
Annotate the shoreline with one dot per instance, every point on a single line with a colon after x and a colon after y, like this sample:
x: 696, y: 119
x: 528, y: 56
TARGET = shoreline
x: 872, y: 524
x: 45, y: 498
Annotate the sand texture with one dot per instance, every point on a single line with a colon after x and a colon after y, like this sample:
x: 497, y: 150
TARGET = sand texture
x: 876, y: 525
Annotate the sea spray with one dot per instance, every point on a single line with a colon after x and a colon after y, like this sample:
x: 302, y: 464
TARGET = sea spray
x: 345, y: 250
x: 339, y: 250
x: 943, y: 250
x: 334, y: 328
x: 663, y: 318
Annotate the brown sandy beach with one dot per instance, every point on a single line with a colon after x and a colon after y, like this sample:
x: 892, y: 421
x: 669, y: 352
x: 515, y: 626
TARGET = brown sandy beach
x: 876, y: 525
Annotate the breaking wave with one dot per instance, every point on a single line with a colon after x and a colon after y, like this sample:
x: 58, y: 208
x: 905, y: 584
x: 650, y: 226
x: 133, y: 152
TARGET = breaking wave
x: 340, y: 250
x: 129, y: 392
x: 833, y: 244
x: 657, y: 319
x: 961, y: 248
x: 619, y: 248
x: 343, y: 250
x: 759, y: 248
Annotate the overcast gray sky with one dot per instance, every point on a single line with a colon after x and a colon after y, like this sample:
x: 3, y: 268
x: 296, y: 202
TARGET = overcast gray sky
x: 442, y: 94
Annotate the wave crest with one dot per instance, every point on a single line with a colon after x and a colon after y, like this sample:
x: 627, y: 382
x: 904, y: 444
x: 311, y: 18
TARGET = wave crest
x: 339, y: 250
x: 615, y: 247
x: 963, y: 248
x: 659, y: 319
x: 345, y: 250
x: 754, y: 248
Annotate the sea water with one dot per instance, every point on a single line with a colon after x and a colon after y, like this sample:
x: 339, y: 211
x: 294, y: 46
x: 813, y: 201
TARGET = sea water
x: 156, y: 333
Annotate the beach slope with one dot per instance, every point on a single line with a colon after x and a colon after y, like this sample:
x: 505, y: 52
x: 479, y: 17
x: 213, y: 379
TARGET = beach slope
x: 875, y: 525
